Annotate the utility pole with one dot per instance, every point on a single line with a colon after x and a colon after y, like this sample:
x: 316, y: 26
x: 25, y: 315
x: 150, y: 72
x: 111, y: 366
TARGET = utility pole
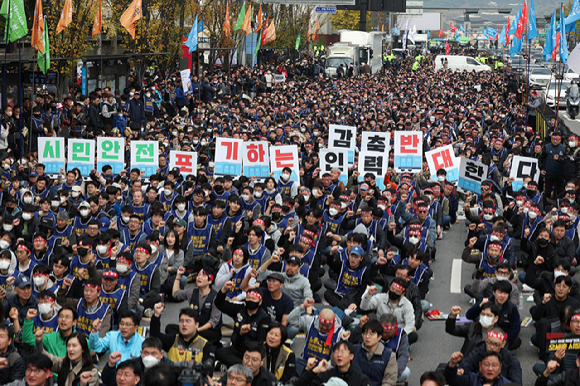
x: 363, y: 15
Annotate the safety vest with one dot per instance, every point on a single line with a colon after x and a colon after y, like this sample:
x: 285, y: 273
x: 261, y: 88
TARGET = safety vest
x: 146, y: 276
x: 349, y: 279
x: 113, y: 299
x: 77, y: 264
x: 148, y: 105
x: 315, y: 346
x: 85, y: 318
x: 255, y: 259
x: 181, y: 352
x: 200, y: 237
x: 50, y: 325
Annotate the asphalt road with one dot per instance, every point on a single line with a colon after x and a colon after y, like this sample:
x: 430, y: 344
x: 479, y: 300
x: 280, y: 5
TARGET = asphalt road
x: 446, y: 290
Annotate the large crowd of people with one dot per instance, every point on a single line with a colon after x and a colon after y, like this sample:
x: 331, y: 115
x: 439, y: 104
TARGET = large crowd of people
x: 347, y: 264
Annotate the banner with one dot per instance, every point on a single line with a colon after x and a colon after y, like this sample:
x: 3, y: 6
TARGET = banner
x: 471, y: 175
x: 185, y: 161
x: 285, y: 156
x: 343, y: 137
x: 378, y: 142
x: 571, y: 345
x: 256, y: 161
x: 330, y: 158
x: 51, y: 154
x: 523, y: 167
x: 375, y: 163
x: 81, y: 155
x: 228, y: 156
x: 145, y: 156
x: 186, y: 81
x: 443, y: 158
x: 111, y: 151
x: 279, y: 78
x: 408, y: 151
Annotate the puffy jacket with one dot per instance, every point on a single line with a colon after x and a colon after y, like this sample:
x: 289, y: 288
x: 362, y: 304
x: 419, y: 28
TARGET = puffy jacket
x: 15, y: 369
x: 509, y: 318
x: 471, y: 332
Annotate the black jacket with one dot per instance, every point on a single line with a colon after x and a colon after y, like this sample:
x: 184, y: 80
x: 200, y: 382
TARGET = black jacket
x: 259, y: 322
x: 568, y: 378
x: 352, y: 377
x: 510, y: 365
x: 15, y: 369
x: 472, y: 333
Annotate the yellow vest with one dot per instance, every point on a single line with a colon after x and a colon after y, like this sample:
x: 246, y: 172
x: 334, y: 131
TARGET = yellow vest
x: 179, y: 352
x: 281, y: 361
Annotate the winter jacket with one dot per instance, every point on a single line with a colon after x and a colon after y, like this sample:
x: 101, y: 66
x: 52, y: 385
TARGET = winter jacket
x: 15, y: 369
x: 403, y: 311
x: 470, y: 379
x: 509, y: 318
x: 472, y: 333
x: 297, y: 286
x: 380, y: 365
x: 352, y: 377
x: 510, y: 365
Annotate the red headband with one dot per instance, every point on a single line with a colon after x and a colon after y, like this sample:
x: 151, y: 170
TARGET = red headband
x: 111, y: 274
x: 497, y: 335
x: 258, y: 222
x: 22, y: 246
x: 97, y: 287
x: 331, y: 332
x: 305, y: 239
x: 500, y: 247
x: 240, y: 251
x: 208, y: 275
x: 123, y: 258
x: 398, y: 286
x: 47, y: 298
x: 276, y: 209
x: 347, y: 198
x: 415, y: 226
x: 307, y: 232
x: 366, y: 212
x: 563, y: 217
x: 575, y: 317
x: 40, y: 239
x: 254, y: 293
x: 389, y: 327
x: 422, y: 207
x: 496, y: 233
x: 141, y: 249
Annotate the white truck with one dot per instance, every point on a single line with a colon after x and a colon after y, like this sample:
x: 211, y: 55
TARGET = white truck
x: 356, y: 48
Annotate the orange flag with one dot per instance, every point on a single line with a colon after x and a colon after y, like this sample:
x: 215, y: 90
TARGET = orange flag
x: 97, y: 24
x: 270, y: 33
x: 65, y: 17
x: 38, y: 28
x: 260, y: 25
x: 227, y: 29
x: 247, y: 26
x: 316, y: 26
x: 309, y: 31
x: 130, y: 17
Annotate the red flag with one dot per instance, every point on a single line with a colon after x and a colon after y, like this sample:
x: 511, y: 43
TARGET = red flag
x: 440, y: 33
x: 557, y: 48
x: 447, y: 49
x: 507, y: 32
x: 452, y: 28
x: 521, y: 27
x: 497, y: 34
x: 263, y: 40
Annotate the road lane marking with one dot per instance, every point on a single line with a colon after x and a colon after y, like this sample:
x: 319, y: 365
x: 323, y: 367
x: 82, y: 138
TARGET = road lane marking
x: 455, y: 285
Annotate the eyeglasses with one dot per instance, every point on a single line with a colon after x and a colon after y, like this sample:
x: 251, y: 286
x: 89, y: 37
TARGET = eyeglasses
x: 124, y: 324
x: 34, y: 370
x: 65, y: 316
x: 369, y: 333
x: 237, y: 379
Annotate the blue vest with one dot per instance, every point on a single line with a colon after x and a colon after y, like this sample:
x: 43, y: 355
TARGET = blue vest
x: 222, y: 197
x: 285, y: 189
x: 373, y: 368
x: 148, y: 105
x: 371, y: 229
x: 255, y: 259
x: 146, y: 275
x: 125, y: 282
x: 235, y: 219
x: 131, y: 241
x: 27, y: 272
x: 103, y: 262
x: 80, y: 228
x: 330, y: 224
x: 299, y: 233
x: 77, y: 264
x: 200, y: 237
x: 489, y: 270
x: 531, y: 225
x: 249, y: 207
x: 141, y: 211
x: 147, y: 229
x: 50, y: 325
x: 3, y: 281
x: 393, y: 343
x: 349, y: 279
x: 85, y: 319
x: 237, y: 279
x: 330, y: 189
x: 113, y: 299
x: 315, y: 346
x: 418, y: 272
x: 218, y: 225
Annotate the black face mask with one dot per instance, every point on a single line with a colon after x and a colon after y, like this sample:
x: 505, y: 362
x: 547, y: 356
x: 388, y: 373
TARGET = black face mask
x: 394, y: 296
x: 82, y: 251
x: 532, y: 193
x: 285, y: 208
x: 252, y: 305
x: 542, y: 242
x: 276, y: 216
x: 219, y: 189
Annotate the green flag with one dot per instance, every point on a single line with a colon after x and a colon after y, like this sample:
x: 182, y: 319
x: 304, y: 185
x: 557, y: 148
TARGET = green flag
x: 44, y: 58
x: 258, y: 42
x: 298, y: 41
x: 18, y: 28
x: 241, y: 17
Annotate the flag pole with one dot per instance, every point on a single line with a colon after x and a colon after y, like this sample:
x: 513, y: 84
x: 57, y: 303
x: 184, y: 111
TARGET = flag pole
x: 141, y: 74
x: 559, y: 89
x: 20, y: 100
x: 6, y: 40
x: 45, y: 90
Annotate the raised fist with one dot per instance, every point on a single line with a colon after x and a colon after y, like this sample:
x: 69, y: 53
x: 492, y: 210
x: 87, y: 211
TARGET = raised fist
x: 372, y: 290
x: 31, y: 313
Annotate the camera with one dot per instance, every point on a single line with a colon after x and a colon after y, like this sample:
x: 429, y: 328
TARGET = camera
x: 196, y: 375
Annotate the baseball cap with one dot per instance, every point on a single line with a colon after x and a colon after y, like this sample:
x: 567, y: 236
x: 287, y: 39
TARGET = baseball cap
x: 294, y: 260
x: 357, y: 250
x: 33, y: 174
x: 22, y: 281
x: 47, y: 222
x: 76, y: 189
x: 276, y: 275
x: 84, y: 204
x: 110, y: 274
x: 104, y: 224
x: 180, y: 222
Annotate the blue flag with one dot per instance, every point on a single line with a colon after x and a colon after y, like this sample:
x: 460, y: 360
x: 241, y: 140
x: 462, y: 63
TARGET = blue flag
x: 395, y: 31
x: 200, y: 26
x: 514, y: 25
x: 516, y: 47
x: 563, y: 41
x: 428, y: 34
x: 532, y: 30
x: 501, y: 37
x: 192, y: 37
x: 573, y: 16
x: 490, y: 33
x: 548, y: 45
x: 461, y: 28
x: 456, y: 35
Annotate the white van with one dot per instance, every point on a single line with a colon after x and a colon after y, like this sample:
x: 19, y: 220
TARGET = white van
x: 460, y: 63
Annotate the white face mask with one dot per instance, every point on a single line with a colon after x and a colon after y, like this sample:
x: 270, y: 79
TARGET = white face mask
x: 148, y: 95
x: 84, y: 212
x: 125, y: 219
x: 572, y: 217
x: 494, y: 238
x: 27, y: 200
x: 532, y: 215
x: 149, y: 361
x: 486, y: 321
x: 382, y: 207
x: 501, y: 278
x: 62, y: 200
x: 413, y: 240
x: 74, y: 194
x: 245, y: 197
x: 333, y: 212
x: 168, y: 192
x: 7, y: 227
x: 487, y: 217
x: 4, y: 244
x: 557, y: 274
x: 441, y: 178
x: 572, y: 144
x: 102, y: 249
x: 306, y: 197
x: 210, y: 164
x: 258, y: 194
x: 39, y: 282
x: 203, y: 143
x: 181, y: 207
x: 195, y: 141
x: 122, y: 268
x: 4, y: 264
x: 153, y: 249
x: 285, y: 176
x: 343, y: 205
x: 26, y: 216
x: 44, y: 308
x: 174, y: 133
x: 519, y: 203
x: 564, y: 210
x: 6, y: 167
x: 55, y: 203
x: 315, y: 192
